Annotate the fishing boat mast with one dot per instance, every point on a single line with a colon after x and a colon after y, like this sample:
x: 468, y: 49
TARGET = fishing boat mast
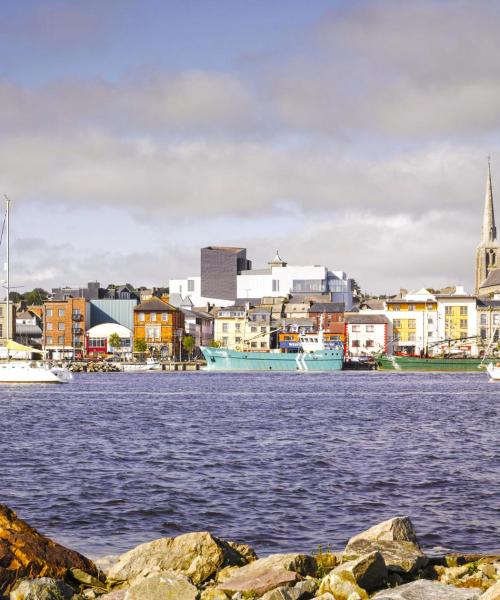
x: 7, y: 266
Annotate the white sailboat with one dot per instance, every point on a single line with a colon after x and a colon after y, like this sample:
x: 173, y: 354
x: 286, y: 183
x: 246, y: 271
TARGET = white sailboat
x: 493, y: 371
x: 25, y: 371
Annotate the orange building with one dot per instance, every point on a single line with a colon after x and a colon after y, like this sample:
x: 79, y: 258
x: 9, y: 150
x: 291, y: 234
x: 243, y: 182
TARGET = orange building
x: 160, y: 325
x: 64, y: 324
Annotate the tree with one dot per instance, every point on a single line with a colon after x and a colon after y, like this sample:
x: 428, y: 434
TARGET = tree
x: 140, y: 346
x: 36, y: 296
x: 188, y: 343
x: 115, y: 342
x: 15, y: 297
x: 214, y: 344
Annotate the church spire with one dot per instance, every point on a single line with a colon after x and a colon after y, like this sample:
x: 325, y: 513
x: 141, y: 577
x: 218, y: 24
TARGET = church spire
x: 489, y: 233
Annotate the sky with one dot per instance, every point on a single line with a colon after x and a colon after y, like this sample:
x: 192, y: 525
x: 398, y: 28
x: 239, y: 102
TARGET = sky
x: 348, y: 133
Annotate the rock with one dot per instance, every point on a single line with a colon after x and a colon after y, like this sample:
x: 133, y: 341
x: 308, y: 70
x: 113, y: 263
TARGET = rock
x: 198, y: 555
x: 213, y: 594
x: 163, y: 586
x: 343, y: 586
x: 303, y: 564
x: 398, y: 529
x: 246, y: 551
x: 88, y: 580
x: 25, y: 553
x: 116, y: 595
x: 325, y: 596
x: 493, y: 593
x: 44, y: 588
x: 302, y: 591
x: 369, y: 571
x: 258, y: 581
x: 427, y: 590
x: 326, y: 561
x: 399, y: 556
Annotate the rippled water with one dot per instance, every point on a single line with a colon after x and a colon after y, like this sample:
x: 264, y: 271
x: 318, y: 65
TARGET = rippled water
x: 280, y: 461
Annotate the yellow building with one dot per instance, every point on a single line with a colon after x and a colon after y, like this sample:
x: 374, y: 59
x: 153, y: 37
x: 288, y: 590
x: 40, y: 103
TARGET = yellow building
x: 229, y: 327
x: 258, y: 329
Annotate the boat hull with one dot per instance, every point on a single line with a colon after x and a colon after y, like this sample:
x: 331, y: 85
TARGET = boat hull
x: 493, y: 372
x: 414, y: 363
x: 11, y: 372
x: 222, y: 359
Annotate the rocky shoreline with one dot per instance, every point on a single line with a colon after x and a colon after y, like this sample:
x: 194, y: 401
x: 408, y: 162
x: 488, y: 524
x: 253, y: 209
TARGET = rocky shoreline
x: 384, y: 562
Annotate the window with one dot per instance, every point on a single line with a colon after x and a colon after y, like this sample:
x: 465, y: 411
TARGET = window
x: 224, y: 341
x: 369, y: 343
x: 60, y: 312
x: 190, y: 285
x: 411, y: 307
x: 237, y: 326
x: 49, y: 312
x: 263, y: 345
x: 60, y: 340
x: 447, y: 310
x: 164, y: 317
x: 49, y: 339
x: 483, y: 334
x: 356, y: 328
x: 49, y: 326
x: 396, y: 323
x: 412, y: 323
x: 484, y: 319
x: 430, y: 321
x: 276, y: 285
x: 237, y: 340
x: 142, y: 316
x: 411, y: 337
x: 60, y: 326
x: 496, y: 320
x: 355, y: 343
x: 263, y: 329
x: 253, y: 329
x: 153, y: 333
x: 463, y: 311
x: 225, y: 327
x: 308, y: 285
x: 153, y: 317
x: 97, y: 342
x: 370, y: 328
x: 254, y: 344
x: 463, y: 323
x: 1, y: 311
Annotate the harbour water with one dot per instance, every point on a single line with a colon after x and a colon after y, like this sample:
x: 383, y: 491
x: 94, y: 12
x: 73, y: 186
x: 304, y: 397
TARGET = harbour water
x: 283, y: 462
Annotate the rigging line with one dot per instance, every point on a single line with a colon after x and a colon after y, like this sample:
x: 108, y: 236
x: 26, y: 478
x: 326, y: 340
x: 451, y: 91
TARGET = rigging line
x: 3, y: 227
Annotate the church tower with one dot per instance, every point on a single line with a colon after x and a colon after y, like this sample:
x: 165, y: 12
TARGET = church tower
x: 488, y: 251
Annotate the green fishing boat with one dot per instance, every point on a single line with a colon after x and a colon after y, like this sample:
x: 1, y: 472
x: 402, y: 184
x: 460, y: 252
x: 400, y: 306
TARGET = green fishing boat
x: 387, y: 362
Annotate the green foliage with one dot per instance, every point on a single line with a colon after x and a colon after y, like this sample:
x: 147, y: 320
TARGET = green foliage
x: 36, y: 296
x: 140, y: 345
x: 15, y: 297
x: 214, y: 344
x: 115, y: 341
x: 326, y: 560
x: 188, y: 343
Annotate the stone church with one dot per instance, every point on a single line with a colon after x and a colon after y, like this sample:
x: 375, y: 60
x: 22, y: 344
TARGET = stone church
x: 488, y: 251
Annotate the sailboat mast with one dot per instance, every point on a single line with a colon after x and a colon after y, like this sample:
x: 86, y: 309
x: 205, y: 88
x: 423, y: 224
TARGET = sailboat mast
x: 7, y: 225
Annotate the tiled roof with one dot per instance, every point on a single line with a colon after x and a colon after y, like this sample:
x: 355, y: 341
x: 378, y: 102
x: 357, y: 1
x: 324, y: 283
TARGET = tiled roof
x: 327, y: 307
x: 364, y: 318
x: 154, y: 304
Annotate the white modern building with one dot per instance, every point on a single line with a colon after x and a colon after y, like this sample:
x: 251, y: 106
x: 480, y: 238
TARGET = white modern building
x: 281, y: 279
x: 187, y: 292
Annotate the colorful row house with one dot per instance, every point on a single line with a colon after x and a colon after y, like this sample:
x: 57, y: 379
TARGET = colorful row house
x: 64, y: 325
x: 161, y: 326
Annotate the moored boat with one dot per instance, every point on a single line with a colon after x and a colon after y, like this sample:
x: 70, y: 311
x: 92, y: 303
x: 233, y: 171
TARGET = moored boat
x: 494, y: 371
x: 415, y: 363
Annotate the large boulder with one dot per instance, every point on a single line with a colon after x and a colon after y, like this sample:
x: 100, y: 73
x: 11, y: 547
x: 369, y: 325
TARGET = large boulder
x: 342, y: 586
x: 399, y: 556
x: 301, y: 591
x: 399, y: 529
x: 427, y: 590
x: 44, y: 588
x: 258, y: 582
x: 197, y: 555
x: 368, y: 571
x: 163, y: 586
x: 27, y: 554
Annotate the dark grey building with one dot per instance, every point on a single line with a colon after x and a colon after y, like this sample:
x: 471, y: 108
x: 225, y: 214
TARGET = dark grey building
x: 219, y: 267
x: 91, y: 292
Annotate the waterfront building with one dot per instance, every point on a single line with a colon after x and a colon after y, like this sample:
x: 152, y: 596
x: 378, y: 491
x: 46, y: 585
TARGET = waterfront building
x: 229, y: 326
x: 367, y: 334
x: 199, y: 324
x: 330, y: 314
x: 414, y: 322
x: 121, y: 292
x: 97, y: 340
x: 488, y: 322
x: 3, y: 322
x: 106, y: 310
x: 457, y: 322
x: 488, y: 251
x: 64, y: 326
x: 260, y: 331
x: 160, y: 325
x: 28, y: 328
x: 220, y: 267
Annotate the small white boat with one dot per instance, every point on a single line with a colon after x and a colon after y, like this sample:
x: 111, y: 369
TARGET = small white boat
x: 32, y: 372
x: 494, y: 371
x: 138, y: 367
